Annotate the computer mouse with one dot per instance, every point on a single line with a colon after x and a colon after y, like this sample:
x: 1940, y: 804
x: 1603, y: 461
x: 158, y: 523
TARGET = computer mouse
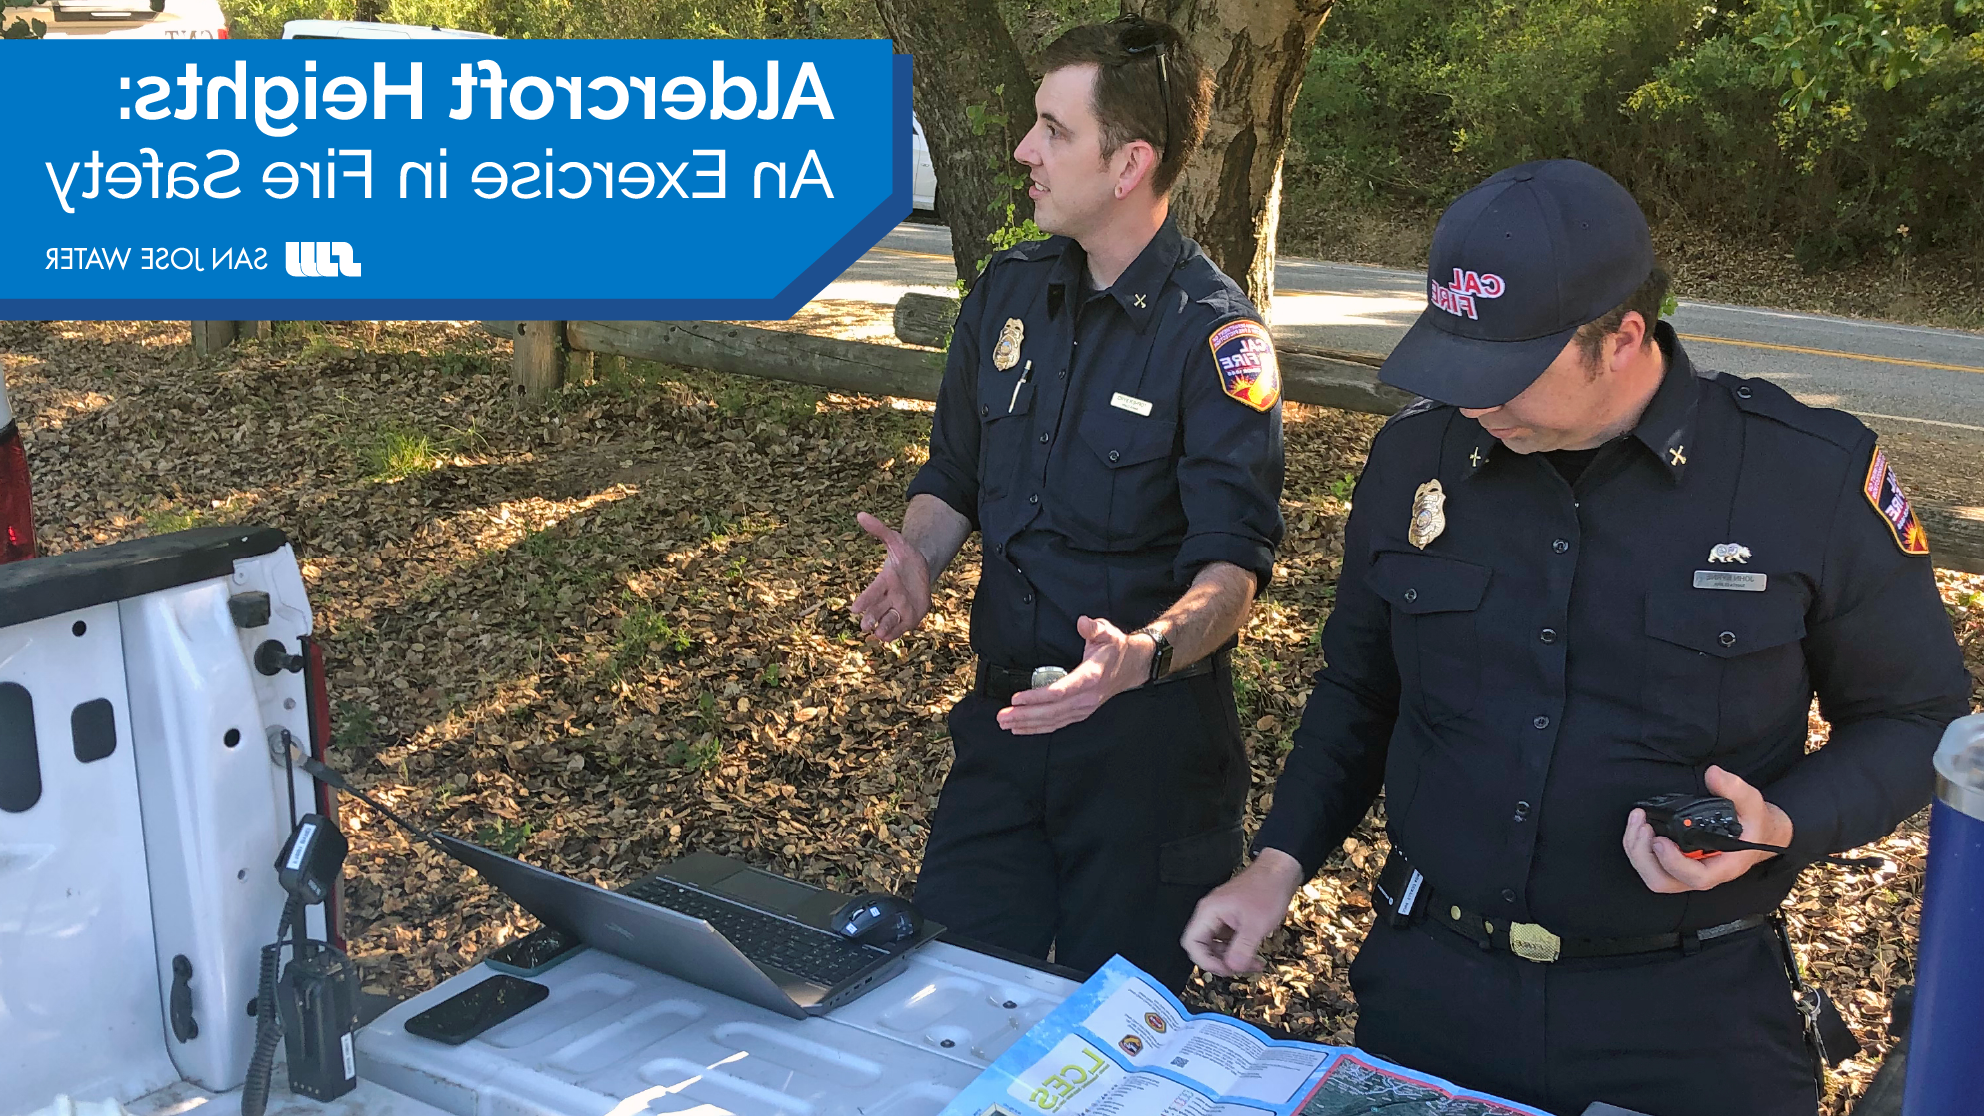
x: 878, y: 919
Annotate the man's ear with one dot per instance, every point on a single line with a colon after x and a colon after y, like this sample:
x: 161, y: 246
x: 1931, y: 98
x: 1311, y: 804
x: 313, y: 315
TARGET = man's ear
x: 1633, y: 334
x: 1139, y: 161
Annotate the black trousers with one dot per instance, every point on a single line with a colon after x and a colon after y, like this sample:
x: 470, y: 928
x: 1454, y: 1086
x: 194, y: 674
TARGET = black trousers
x: 1094, y: 840
x: 1710, y: 1034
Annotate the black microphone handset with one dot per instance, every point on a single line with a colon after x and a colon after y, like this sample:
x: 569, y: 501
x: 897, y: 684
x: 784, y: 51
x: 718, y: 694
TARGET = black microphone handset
x: 311, y: 1006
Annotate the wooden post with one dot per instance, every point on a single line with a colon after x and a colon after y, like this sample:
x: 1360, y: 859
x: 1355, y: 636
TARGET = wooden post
x: 925, y: 319
x: 254, y: 331
x: 211, y: 337
x: 538, y: 366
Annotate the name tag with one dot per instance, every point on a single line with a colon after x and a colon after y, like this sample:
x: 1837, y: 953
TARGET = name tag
x: 1726, y: 579
x: 1130, y: 403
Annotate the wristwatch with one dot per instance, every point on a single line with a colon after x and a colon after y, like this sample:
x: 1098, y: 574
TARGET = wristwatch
x: 1160, y: 658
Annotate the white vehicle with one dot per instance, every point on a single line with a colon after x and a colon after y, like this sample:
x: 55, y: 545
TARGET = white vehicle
x: 359, y: 29
x: 149, y: 692
x: 16, y: 497
x: 123, y: 19
x: 923, y: 175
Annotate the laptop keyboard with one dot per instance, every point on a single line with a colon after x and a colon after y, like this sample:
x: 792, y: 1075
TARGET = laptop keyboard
x: 817, y: 955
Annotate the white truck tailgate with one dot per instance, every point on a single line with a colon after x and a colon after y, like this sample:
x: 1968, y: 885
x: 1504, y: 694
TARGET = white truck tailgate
x: 615, y: 1039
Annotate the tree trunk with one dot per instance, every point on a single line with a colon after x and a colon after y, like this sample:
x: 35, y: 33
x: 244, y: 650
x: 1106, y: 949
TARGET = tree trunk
x: 965, y: 58
x: 1229, y: 198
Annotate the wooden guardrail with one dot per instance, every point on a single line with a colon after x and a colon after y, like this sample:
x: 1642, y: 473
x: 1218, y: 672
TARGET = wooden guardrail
x: 1327, y: 379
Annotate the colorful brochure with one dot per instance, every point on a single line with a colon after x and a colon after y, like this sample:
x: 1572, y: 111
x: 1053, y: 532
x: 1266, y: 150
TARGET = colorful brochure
x: 1122, y: 1045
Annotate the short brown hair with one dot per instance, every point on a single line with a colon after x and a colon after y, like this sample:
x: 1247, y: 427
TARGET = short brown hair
x: 1646, y: 301
x: 1128, y: 101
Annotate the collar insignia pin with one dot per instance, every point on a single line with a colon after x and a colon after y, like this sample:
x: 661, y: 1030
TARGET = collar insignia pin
x: 1429, y: 516
x: 1677, y: 455
x: 1138, y: 299
x: 1729, y: 552
x: 1006, y: 352
x: 1474, y: 458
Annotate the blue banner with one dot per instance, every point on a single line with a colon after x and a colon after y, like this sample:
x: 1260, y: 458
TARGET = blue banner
x: 445, y: 179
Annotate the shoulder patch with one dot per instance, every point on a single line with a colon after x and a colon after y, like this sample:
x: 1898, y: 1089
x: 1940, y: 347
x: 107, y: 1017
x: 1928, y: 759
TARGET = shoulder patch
x: 1244, y: 355
x: 1883, y: 491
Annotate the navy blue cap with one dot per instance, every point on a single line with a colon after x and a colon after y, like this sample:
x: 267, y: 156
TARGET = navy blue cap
x: 1518, y: 264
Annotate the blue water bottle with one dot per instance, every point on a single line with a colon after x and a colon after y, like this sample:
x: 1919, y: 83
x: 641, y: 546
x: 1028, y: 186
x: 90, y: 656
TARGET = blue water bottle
x: 1947, y: 1034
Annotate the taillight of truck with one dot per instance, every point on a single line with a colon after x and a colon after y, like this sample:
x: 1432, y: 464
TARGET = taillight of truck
x: 317, y: 706
x: 16, y: 503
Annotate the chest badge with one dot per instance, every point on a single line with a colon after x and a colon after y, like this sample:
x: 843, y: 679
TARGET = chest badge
x: 1429, y: 515
x: 1729, y: 552
x: 1006, y: 353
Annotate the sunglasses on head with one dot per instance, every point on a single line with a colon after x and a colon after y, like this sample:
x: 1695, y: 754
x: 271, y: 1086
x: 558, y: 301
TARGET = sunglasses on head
x: 1139, y: 37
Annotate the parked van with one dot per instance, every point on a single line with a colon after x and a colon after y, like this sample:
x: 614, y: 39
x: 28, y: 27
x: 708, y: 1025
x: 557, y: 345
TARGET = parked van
x: 360, y: 29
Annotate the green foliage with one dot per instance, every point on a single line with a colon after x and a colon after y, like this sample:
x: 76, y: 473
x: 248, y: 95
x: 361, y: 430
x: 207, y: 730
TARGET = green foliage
x: 1832, y: 123
x: 166, y: 520
x: 397, y: 452
x: 644, y: 631
x: 23, y: 26
x: 1813, y: 48
x: 585, y: 19
x: 505, y: 837
x: 1011, y: 182
x: 353, y: 727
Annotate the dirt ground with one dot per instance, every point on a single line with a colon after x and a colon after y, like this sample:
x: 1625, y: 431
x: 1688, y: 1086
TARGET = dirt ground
x: 606, y: 631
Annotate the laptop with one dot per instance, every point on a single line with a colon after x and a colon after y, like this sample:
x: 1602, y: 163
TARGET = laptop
x: 712, y: 921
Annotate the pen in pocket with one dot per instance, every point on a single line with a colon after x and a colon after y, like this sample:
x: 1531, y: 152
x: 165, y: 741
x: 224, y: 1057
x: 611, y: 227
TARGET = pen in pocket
x: 1024, y: 373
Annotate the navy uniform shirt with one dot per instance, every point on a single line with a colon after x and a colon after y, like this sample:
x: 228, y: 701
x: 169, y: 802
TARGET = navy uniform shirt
x: 1547, y: 660
x: 1094, y: 441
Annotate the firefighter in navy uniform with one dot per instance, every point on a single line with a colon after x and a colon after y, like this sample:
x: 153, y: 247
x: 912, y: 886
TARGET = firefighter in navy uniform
x: 1590, y: 574
x: 1109, y: 422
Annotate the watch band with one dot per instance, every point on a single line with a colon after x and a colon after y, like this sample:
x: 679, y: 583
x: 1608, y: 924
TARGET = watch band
x: 1160, y: 658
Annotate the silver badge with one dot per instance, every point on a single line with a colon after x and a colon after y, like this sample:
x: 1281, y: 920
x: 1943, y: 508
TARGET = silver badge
x: 1729, y: 552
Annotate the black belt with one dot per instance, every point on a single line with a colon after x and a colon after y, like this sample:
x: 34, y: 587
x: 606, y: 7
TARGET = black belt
x: 1411, y: 897
x: 1001, y: 683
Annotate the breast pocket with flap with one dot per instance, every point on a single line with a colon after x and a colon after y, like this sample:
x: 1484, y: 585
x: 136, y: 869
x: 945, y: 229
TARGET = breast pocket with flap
x: 1122, y: 481
x: 1722, y: 667
x: 1434, y: 602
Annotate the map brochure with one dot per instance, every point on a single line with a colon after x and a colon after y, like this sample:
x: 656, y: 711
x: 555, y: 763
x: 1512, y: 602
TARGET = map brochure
x: 1122, y: 1045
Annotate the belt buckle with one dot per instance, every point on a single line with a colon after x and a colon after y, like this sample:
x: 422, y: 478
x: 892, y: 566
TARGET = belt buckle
x: 1531, y: 942
x: 1046, y: 676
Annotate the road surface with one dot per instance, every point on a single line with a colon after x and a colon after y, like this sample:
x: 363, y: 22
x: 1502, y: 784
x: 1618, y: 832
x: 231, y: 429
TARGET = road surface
x: 1932, y: 380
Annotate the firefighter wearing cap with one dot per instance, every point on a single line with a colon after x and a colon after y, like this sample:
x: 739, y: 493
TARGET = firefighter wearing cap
x: 1579, y: 573
x: 1109, y: 423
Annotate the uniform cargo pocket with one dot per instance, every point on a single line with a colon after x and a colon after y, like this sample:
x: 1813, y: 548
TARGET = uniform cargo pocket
x: 1710, y: 645
x: 1434, y: 601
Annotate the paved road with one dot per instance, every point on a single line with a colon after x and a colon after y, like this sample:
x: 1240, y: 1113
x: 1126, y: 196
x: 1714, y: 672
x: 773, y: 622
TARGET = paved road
x: 1930, y: 379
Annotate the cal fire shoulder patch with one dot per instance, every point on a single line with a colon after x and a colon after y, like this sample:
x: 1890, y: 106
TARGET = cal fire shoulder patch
x: 1244, y: 354
x: 1883, y: 490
